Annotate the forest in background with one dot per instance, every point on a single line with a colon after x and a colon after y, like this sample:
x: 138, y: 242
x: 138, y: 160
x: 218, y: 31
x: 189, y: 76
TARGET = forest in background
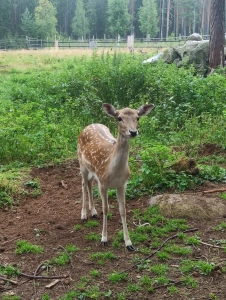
x: 100, y: 19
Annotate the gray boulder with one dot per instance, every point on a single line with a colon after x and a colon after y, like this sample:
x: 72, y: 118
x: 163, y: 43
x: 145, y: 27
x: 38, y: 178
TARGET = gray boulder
x: 190, y: 206
x: 192, y: 52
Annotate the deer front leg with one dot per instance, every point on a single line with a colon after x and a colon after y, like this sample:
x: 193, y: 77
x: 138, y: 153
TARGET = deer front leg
x: 105, y: 208
x: 122, y: 210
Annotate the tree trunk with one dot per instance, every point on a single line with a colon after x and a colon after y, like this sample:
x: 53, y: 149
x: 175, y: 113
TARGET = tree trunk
x: 217, y: 21
x: 167, y: 18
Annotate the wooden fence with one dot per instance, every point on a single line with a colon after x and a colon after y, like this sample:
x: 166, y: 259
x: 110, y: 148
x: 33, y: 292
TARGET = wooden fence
x: 141, y: 43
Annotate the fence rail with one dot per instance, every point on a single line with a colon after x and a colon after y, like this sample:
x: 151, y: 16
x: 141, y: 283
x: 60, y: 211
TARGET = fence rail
x: 34, y: 43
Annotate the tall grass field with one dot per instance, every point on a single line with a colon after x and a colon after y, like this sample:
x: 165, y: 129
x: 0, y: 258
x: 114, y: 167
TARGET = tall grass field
x: 48, y: 97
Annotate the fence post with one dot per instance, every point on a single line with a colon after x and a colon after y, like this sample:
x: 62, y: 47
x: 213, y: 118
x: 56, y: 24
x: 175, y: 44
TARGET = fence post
x: 56, y: 44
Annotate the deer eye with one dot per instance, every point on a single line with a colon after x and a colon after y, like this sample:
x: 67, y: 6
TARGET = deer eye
x: 138, y: 119
x: 119, y: 119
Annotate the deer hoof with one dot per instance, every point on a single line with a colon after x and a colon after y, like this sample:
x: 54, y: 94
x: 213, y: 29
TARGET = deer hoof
x: 130, y: 248
x: 104, y: 244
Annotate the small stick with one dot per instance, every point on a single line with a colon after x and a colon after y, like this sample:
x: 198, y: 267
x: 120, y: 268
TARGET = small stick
x: 214, y: 191
x: 210, y: 245
x: 7, y: 280
x: 43, y: 277
x: 52, y: 284
x: 35, y: 274
x: 64, y: 184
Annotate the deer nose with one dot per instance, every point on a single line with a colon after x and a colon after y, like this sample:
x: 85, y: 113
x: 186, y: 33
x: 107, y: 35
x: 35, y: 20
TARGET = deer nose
x: 133, y: 133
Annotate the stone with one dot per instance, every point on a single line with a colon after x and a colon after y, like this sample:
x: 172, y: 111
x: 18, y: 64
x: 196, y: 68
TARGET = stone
x: 192, y: 206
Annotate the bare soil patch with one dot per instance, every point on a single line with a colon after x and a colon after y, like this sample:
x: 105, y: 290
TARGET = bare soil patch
x: 49, y: 220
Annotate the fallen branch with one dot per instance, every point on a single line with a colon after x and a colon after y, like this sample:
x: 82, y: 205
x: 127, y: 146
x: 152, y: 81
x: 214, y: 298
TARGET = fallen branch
x: 210, y: 245
x: 64, y: 184
x: 8, y: 280
x: 214, y: 191
x: 43, y: 277
x: 160, y: 247
x: 52, y: 284
x: 168, y: 284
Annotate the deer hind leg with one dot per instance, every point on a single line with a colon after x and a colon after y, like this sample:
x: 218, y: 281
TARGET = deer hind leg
x: 105, y: 208
x: 122, y: 210
x: 90, y: 196
x: 85, y: 174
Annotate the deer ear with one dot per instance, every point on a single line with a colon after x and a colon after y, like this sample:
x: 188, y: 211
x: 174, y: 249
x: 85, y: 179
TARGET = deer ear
x: 145, y: 109
x: 110, y: 110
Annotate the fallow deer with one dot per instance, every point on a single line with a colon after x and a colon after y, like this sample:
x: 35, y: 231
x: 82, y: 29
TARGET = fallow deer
x: 105, y: 158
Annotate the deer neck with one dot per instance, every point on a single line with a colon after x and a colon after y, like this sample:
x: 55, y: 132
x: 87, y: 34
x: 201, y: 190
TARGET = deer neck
x: 120, y: 155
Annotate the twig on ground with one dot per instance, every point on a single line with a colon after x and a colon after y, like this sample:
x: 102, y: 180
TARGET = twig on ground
x: 43, y: 277
x: 52, y: 284
x: 8, y: 280
x: 64, y: 184
x: 214, y: 191
x: 210, y: 245
x: 145, y: 224
x: 35, y: 274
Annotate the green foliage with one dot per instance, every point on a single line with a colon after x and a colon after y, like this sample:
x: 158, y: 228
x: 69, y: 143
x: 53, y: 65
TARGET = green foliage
x: 205, y: 268
x: 94, y: 273
x: 63, y: 258
x: 27, y: 23
x: 14, y: 297
x: 213, y: 173
x: 148, y: 18
x: 156, y: 171
x: 9, y: 270
x: 192, y: 240
x: 160, y: 269
x: 118, y: 17
x: 80, y: 21
x: 45, y: 297
x: 23, y: 246
x: 116, y: 277
x: 221, y: 227
x: 77, y: 227
x: 91, y: 223
x: 92, y: 236
x: 43, y: 109
x: 5, y: 199
x: 102, y: 257
x: 45, y: 19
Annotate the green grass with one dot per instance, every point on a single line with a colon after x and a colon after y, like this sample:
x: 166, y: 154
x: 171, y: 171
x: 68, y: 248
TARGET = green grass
x: 23, y: 247
x: 65, y: 256
x: 9, y: 270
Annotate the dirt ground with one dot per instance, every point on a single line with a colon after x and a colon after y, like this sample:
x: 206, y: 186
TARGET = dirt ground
x: 49, y: 220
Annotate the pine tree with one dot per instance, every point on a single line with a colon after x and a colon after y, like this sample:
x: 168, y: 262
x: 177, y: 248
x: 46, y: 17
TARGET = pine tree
x: 27, y: 23
x: 80, y: 22
x: 45, y: 19
x: 118, y: 17
x: 148, y: 18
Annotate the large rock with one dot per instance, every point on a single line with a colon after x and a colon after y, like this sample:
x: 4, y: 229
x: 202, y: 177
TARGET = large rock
x: 195, y: 51
x: 192, y: 52
x: 190, y: 206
